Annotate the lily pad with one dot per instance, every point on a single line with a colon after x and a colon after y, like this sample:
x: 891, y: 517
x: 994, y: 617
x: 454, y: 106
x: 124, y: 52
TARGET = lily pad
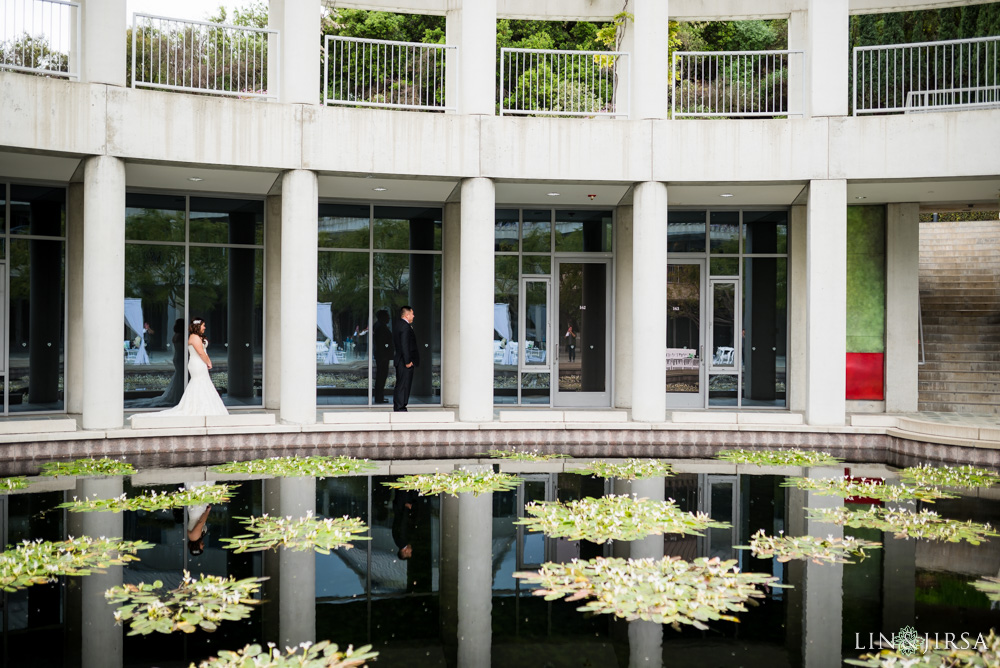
x: 195, y: 496
x: 303, y: 533
x: 870, y: 489
x: 926, y: 524
x: 990, y: 587
x: 323, y: 654
x: 827, y: 550
x: 662, y: 591
x: 613, y: 518
x: 38, y: 562
x: 630, y: 469
x: 525, y: 456
x: 197, y: 603
x: 970, y: 477
x: 792, y: 457
x: 457, y: 482
x: 298, y: 467
x: 88, y: 467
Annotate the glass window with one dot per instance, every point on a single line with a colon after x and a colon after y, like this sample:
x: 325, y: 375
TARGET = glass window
x: 36, y: 325
x: 344, y: 496
x: 155, y: 328
x: 505, y: 334
x: 344, y: 226
x: 38, y: 210
x: 226, y: 290
x: 154, y: 217
x: 765, y: 330
x: 535, y: 388
x: 685, y: 231
x: 407, y: 228
x: 342, y: 329
x: 583, y: 231
x: 536, y: 264
x: 3, y: 220
x: 765, y: 231
x: 506, y: 227
x: 403, y: 279
x: 227, y: 221
x: 724, y: 266
x: 537, y: 231
x: 724, y: 232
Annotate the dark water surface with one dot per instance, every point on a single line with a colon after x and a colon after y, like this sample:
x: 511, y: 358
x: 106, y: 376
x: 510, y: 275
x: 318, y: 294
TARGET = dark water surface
x: 456, y: 602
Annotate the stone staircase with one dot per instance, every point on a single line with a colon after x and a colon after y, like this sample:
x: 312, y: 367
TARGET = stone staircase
x: 960, y: 302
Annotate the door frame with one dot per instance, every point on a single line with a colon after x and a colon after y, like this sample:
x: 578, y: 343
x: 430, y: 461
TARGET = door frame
x: 694, y: 399
x: 522, y: 344
x: 737, y: 368
x: 583, y: 399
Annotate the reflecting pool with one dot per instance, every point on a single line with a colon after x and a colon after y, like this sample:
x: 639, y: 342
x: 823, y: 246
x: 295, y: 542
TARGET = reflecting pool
x: 454, y: 600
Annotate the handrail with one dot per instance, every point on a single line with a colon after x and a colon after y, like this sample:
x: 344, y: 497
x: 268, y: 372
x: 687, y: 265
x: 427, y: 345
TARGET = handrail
x: 43, y: 38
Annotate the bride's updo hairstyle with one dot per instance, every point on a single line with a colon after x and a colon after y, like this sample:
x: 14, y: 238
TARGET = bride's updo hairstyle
x: 195, y: 327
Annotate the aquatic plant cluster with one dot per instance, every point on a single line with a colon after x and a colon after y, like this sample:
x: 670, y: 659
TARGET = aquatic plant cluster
x: 827, y: 550
x: 630, y: 469
x: 88, y: 467
x: 300, y: 534
x: 664, y: 591
x: 297, y: 467
x: 38, y: 562
x: 195, y: 496
x: 613, y: 518
x: 525, y: 455
x: 13, y: 483
x: 457, y: 482
x: 791, y: 457
x: 870, y: 489
x: 966, y: 476
x: 925, y: 524
x: 196, y: 603
x: 306, y: 655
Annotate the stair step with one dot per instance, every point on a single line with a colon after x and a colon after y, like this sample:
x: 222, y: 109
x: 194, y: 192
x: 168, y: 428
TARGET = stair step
x: 948, y: 407
x: 953, y: 365
x: 958, y: 386
x: 931, y: 375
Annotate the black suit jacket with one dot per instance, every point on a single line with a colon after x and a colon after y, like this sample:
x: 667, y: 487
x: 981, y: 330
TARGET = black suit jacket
x: 405, y: 343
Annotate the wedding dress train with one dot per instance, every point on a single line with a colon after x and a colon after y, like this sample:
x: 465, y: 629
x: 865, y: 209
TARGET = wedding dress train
x: 200, y: 396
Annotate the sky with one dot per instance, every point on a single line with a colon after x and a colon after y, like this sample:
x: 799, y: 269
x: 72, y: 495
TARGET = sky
x: 197, y: 10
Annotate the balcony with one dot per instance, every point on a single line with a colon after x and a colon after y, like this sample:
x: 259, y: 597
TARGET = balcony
x: 38, y: 36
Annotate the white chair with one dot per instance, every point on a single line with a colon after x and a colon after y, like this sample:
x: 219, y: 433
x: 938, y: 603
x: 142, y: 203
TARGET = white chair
x: 723, y: 356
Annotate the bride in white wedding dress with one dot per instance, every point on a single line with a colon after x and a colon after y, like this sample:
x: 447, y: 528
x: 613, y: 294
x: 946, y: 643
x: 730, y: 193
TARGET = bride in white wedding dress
x: 200, y: 396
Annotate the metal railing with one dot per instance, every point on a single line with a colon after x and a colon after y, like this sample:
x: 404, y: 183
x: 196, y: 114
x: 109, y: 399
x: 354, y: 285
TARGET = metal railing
x: 380, y: 73
x: 40, y: 36
x: 927, y: 76
x: 540, y: 82
x: 203, y: 57
x: 737, y: 84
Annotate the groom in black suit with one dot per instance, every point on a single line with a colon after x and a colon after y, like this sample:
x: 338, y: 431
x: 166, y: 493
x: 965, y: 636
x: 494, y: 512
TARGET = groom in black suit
x: 406, y: 358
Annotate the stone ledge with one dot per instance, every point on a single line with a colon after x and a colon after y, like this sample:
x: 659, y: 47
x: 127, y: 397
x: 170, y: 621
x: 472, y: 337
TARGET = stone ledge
x: 939, y: 429
x: 439, y: 417
x: 594, y: 416
x: 355, y: 417
x: 154, y: 421
x: 37, y: 426
x: 869, y: 420
x: 532, y: 416
x: 704, y: 417
x: 240, y: 420
x: 769, y: 418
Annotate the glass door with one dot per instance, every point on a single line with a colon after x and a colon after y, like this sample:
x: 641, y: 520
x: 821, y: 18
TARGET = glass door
x: 685, y: 324
x: 534, y: 361
x: 582, y: 367
x: 724, y: 328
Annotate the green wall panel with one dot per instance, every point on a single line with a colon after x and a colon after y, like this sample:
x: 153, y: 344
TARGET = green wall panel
x: 866, y: 279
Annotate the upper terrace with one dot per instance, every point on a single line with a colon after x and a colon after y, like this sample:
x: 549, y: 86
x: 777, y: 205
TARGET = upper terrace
x: 631, y: 75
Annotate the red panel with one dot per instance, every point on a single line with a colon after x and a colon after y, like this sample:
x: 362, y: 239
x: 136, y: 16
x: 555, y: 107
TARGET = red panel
x: 866, y: 376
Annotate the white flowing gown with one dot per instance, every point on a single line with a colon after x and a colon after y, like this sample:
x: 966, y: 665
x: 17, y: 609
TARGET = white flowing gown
x: 200, y: 396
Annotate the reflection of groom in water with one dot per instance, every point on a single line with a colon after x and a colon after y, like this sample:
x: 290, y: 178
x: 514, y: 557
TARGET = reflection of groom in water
x: 411, y: 531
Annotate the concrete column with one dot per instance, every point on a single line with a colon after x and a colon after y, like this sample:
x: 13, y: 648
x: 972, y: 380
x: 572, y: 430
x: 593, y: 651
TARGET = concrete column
x: 103, y: 53
x: 104, y: 289
x: 798, y: 39
x: 902, y: 307
x: 796, y: 366
x: 649, y: 294
x: 471, y: 25
x: 74, y: 300
x: 475, y: 580
x: 623, y: 307
x: 272, y: 302
x: 644, y: 40
x: 292, y: 574
x: 451, y: 234
x: 475, y: 403
x: 90, y: 620
x: 299, y: 255
x: 826, y: 302
x: 815, y: 604
x: 297, y: 60
x: 827, y: 57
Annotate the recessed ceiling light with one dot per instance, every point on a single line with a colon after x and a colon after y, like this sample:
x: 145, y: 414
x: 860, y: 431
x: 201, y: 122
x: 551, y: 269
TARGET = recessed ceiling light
x: 195, y: 178
x: 727, y: 195
x: 552, y: 194
x: 860, y: 197
x: 380, y: 189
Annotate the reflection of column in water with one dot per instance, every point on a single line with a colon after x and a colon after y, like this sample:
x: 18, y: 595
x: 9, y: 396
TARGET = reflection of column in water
x: 290, y: 618
x: 475, y: 580
x: 815, y: 603
x: 645, y: 638
x: 90, y: 621
x: 899, y: 568
x: 449, y: 575
x: 45, y: 307
x: 421, y: 298
x: 242, y: 288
